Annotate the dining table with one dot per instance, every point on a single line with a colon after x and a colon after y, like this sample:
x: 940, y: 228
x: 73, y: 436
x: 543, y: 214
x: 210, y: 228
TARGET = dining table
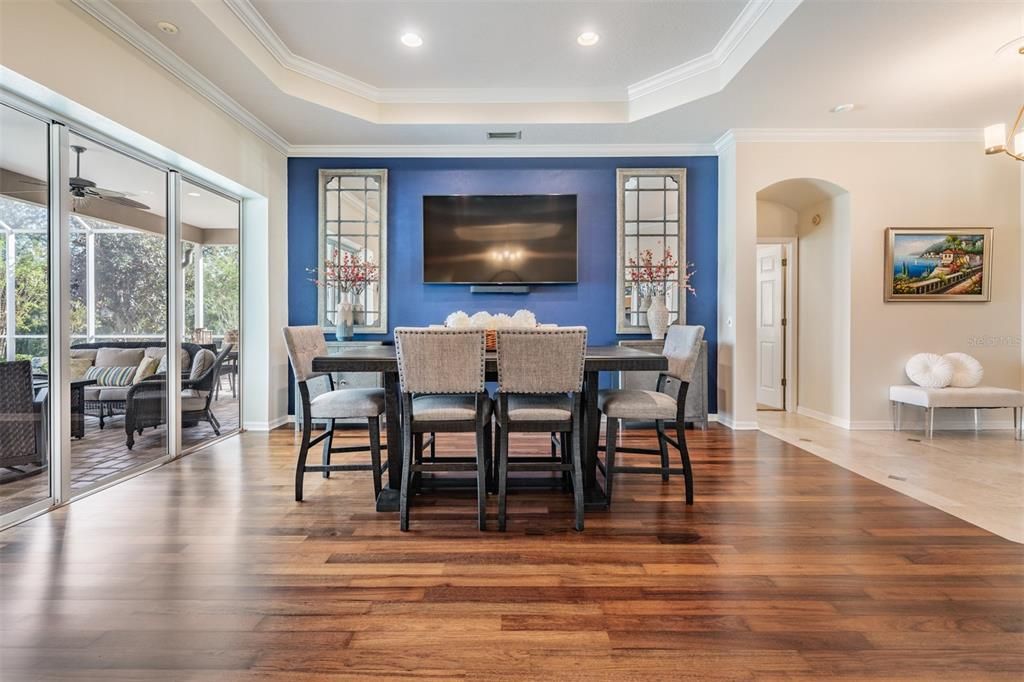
x: 382, y: 360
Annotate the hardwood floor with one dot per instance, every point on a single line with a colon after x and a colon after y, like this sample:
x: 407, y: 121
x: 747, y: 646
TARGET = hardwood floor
x: 787, y: 567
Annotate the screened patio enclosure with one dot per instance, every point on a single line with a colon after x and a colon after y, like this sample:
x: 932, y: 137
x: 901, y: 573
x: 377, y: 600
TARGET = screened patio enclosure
x: 112, y: 263
x: 118, y: 283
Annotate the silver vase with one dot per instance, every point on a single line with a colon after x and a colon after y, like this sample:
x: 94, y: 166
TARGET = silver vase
x: 343, y: 329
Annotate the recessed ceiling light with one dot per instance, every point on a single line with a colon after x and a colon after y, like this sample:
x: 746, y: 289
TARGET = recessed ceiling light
x: 588, y: 38
x: 194, y: 194
x: 842, y: 108
x: 167, y: 27
x: 411, y: 40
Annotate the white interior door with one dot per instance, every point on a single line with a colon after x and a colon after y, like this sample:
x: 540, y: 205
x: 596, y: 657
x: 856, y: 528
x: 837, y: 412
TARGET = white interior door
x: 770, y: 327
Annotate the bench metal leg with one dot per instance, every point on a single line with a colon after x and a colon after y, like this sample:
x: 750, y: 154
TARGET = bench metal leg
x: 1018, y: 423
x: 930, y: 418
x: 976, y: 411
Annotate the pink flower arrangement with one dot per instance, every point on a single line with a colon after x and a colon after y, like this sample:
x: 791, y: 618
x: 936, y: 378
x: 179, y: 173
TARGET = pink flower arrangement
x: 653, y: 277
x: 346, y: 272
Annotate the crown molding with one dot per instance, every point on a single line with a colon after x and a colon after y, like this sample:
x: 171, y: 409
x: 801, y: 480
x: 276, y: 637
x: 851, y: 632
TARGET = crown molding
x: 122, y: 25
x: 748, y: 25
x: 258, y: 26
x: 283, y: 55
x: 725, y: 142
x: 701, y: 76
x: 731, y: 137
x: 501, y: 150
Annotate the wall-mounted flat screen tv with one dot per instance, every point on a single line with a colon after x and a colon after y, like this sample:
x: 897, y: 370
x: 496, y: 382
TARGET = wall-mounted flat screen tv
x: 499, y: 239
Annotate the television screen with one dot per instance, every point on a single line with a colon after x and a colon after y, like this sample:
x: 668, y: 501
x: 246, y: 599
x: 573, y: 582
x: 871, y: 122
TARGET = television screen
x: 499, y: 239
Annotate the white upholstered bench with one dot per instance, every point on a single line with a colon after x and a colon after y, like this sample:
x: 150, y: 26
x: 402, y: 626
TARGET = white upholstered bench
x: 976, y: 398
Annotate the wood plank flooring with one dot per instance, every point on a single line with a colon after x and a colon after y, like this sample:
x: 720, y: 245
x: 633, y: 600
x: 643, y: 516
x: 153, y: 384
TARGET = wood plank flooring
x: 787, y: 567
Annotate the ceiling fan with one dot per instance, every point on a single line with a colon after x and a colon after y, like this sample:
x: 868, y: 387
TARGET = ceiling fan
x: 83, y: 189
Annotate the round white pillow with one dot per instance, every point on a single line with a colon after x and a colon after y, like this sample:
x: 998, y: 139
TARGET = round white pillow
x: 967, y: 371
x: 930, y: 370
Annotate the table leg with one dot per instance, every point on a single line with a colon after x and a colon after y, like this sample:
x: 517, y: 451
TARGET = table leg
x: 388, y: 500
x: 594, y: 497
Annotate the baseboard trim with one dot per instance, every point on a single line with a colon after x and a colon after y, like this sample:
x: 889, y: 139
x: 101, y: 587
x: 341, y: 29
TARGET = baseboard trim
x: 730, y: 423
x: 267, y: 426
x: 940, y: 425
x: 822, y: 417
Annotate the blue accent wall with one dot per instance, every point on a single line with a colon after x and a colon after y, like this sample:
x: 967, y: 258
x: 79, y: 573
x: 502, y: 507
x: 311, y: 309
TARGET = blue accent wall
x: 591, y: 302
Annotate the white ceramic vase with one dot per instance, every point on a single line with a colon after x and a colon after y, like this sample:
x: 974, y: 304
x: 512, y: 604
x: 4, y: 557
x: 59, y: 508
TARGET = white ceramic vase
x: 343, y: 330
x: 657, y: 318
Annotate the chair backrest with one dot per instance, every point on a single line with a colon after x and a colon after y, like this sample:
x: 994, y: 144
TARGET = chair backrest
x: 17, y: 419
x: 682, y: 348
x: 206, y: 368
x: 190, y: 348
x: 541, y: 360
x: 440, y: 360
x: 304, y: 344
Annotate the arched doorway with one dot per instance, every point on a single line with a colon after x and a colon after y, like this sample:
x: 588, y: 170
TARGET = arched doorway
x: 803, y: 299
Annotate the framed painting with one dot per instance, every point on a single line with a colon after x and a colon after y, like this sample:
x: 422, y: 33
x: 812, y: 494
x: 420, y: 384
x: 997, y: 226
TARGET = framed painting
x: 938, y: 264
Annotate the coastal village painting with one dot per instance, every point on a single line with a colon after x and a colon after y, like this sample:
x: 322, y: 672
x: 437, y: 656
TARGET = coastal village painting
x: 937, y: 264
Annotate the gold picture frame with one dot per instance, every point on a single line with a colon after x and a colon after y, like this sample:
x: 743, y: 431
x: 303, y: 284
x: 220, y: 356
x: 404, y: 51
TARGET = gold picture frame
x: 938, y: 264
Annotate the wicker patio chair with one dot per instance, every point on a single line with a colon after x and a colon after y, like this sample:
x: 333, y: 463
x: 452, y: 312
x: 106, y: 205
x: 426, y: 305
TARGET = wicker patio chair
x: 18, y: 419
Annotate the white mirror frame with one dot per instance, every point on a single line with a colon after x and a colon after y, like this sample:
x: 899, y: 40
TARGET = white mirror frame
x: 622, y: 322
x: 381, y: 327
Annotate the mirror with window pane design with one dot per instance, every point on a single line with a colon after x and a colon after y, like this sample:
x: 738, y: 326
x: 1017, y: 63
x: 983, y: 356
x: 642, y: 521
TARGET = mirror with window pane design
x: 651, y: 246
x: 352, y: 256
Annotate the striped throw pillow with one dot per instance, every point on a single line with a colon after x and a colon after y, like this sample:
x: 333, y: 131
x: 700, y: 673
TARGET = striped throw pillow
x: 111, y: 376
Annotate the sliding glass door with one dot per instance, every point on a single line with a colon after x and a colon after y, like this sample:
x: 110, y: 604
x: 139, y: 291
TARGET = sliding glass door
x: 119, y: 308
x: 210, y: 228
x: 25, y: 446
x: 120, y: 321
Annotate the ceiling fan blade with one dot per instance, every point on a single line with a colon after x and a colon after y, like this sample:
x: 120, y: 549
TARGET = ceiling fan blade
x: 125, y: 201
x: 32, y: 181
x: 106, y: 193
x: 81, y: 182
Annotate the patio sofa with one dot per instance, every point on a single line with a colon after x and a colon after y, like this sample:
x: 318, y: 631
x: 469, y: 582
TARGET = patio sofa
x: 106, y: 401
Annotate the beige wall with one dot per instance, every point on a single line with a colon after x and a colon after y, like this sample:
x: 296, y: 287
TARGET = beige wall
x: 899, y: 184
x: 61, y: 48
x: 776, y: 220
x: 823, y: 307
x: 734, y: 305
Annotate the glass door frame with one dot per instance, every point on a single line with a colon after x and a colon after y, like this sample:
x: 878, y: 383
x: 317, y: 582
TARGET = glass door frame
x: 57, y: 176
x: 59, y: 299
x: 202, y: 184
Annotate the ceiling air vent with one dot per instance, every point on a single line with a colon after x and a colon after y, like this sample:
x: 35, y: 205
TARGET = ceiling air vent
x: 500, y: 135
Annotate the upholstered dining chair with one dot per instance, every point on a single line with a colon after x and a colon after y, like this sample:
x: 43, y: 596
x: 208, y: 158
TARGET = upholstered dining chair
x: 304, y: 344
x: 444, y: 390
x: 682, y: 348
x: 540, y: 379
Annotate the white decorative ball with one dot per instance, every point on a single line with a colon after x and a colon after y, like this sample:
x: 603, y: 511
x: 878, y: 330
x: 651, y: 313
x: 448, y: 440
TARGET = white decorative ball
x: 480, y: 320
x: 930, y: 370
x: 457, y: 319
x: 525, y: 318
x: 967, y: 371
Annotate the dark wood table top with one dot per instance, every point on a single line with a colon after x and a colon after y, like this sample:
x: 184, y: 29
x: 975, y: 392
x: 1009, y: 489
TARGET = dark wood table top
x: 598, y: 359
